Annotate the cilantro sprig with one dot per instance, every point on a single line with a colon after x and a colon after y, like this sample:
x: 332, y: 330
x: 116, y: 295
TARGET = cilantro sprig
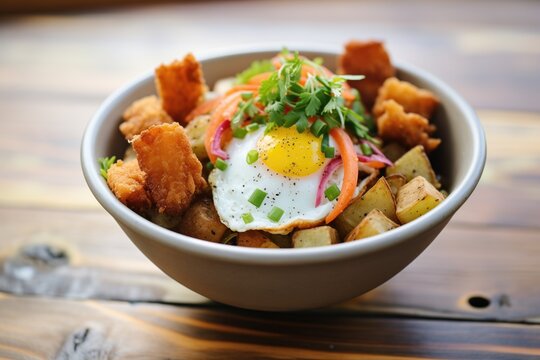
x: 105, y: 163
x: 287, y: 102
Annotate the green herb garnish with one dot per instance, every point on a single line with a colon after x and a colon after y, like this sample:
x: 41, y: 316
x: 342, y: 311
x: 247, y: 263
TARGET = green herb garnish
x: 257, y: 197
x: 248, y: 218
x: 252, y: 156
x: 275, y: 214
x: 332, y: 192
x: 220, y: 164
x: 105, y: 163
x: 256, y: 67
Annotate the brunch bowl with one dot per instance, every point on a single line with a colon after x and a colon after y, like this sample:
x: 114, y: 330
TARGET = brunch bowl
x: 289, y: 279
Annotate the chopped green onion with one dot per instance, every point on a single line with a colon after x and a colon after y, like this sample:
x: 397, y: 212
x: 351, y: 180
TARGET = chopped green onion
x: 275, y: 214
x: 329, y: 152
x: 252, y: 127
x: 246, y: 95
x: 240, y: 133
x: 209, y: 166
x: 326, y: 149
x: 332, y: 192
x: 247, y: 217
x: 366, y: 149
x: 318, y: 128
x: 252, y: 156
x: 220, y: 164
x: 269, y: 127
x: 257, y: 197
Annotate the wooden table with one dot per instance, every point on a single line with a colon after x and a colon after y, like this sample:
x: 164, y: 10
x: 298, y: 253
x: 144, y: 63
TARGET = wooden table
x: 72, y: 286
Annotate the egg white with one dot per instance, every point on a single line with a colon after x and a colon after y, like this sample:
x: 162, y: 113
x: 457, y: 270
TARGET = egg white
x: 232, y: 188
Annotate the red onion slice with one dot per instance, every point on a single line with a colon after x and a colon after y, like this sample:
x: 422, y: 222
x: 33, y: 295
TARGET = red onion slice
x: 216, y: 141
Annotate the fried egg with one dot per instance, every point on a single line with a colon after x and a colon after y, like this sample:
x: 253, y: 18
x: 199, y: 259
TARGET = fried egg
x: 288, y: 169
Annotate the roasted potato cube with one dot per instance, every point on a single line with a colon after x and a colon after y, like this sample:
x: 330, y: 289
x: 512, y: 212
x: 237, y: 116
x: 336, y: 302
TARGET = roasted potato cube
x: 416, y: 198
x: 374, y: 223
x: 317, y: 236
x: 395, y: 181
x: 378, y: 197
x: 413, y: 99
x: 409, y: 129
x: 254, y: 238
x: 282, y: 241
x: 368, y: 58
x: 414, y: 163
x: 196, y: 131
x: 201, y: 221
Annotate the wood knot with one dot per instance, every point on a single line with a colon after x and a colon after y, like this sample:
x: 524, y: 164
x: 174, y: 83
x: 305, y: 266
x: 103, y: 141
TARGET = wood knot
x: 44, y: 254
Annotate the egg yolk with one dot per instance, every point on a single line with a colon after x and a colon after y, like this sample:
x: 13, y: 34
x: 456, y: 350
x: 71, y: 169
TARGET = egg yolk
x: 290, y: 153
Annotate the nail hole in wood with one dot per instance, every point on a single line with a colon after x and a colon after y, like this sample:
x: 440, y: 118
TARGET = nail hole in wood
x: 479, y: 302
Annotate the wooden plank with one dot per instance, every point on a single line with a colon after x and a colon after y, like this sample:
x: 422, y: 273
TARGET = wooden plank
x: 85, y: 255
x: 462, y: 43
x: 65, y: 329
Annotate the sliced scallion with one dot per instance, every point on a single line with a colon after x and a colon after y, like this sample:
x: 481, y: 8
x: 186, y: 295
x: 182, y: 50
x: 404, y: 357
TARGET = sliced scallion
x: 257, y: 197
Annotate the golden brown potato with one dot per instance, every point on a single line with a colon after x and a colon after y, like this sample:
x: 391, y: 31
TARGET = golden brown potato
x: 409, y: 129
x: 201, y: 221
x: 180, y: 86
x: 395, y: 181
x: 414, y: 163
x: 317, y: 236
x: 173, y: 172
x: 127, y: 182
x: 142, y: 114
x: 416, y: 198
x: 373, y: 224
x: 413, y: 99
x: 254, y: 238
x: 378, y: 197
x: 196, y: 131
x: 368, y: 58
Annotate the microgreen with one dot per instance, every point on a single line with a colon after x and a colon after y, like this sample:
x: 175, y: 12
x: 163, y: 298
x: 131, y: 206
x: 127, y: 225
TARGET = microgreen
x: 256, y: 67
x: 104, y: 164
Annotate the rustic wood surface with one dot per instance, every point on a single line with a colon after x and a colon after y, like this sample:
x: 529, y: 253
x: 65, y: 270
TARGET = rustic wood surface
x: 72, y: 286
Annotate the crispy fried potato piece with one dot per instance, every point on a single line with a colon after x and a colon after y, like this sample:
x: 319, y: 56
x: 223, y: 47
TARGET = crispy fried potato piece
x: 127, y: 182
x: 368, y: 58
x: 409, y: 129
x: 256, y: 239
x: 413, y: 99
x: 173, y: 172
x: 142, y: 114
x: 180, y: 86
x: 202, y: 221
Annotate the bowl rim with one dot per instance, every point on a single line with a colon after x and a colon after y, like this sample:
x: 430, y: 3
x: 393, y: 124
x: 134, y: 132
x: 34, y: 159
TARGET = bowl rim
x: 126, y: 217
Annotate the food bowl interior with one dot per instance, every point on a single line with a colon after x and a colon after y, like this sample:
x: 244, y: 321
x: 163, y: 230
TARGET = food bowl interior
x: 451, y: 160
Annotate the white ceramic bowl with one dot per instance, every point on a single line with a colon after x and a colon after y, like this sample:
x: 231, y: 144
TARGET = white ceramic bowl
x: 289, y: 279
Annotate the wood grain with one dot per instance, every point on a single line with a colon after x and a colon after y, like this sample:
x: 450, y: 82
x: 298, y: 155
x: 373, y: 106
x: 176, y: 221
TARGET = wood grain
x: 72, y: 286
x: 66, y: 329
x: 498, y: 264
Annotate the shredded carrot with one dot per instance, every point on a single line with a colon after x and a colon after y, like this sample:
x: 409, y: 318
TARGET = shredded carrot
x: 224, y: 110
x: 350, y: 171
x: 244, y: 87
x: 375, y: 164
x: 204, y: 108
x: 259, y: 78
